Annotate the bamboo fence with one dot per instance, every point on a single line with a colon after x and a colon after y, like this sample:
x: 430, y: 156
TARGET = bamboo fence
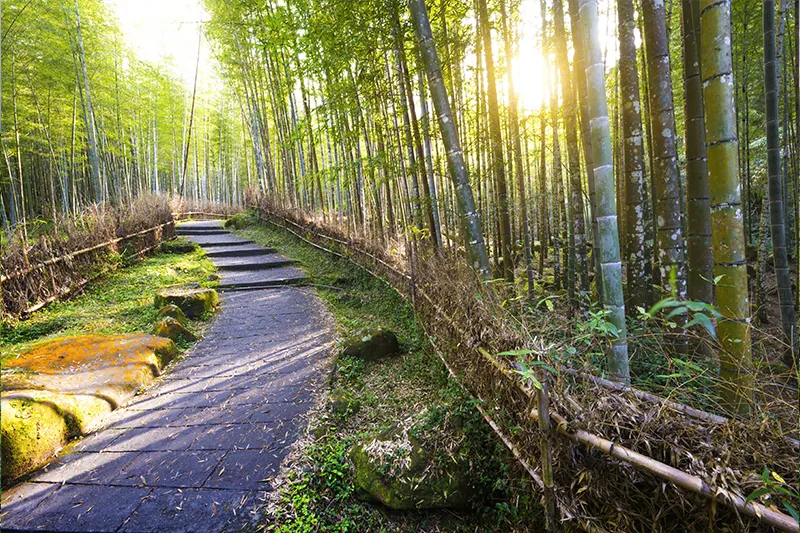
x: 554, y: 423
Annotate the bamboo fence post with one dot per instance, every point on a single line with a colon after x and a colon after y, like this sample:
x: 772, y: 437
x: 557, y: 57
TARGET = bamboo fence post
x: 546, y: 444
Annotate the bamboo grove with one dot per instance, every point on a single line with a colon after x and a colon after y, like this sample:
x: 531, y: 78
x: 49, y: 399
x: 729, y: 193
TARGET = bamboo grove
x: 85, y: 121
x: 615, y: 153
x: 660, y: 156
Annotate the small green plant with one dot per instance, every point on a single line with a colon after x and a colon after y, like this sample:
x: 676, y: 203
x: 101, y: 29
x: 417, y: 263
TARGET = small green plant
x: 350, y: 368
x: 596, y: 325
x: 699, y: 313
x: 776, y: 491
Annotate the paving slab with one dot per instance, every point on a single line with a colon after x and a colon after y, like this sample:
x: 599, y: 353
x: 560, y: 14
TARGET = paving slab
x: 197, y: 451
x: 241, y: 250
x: 255, y: 262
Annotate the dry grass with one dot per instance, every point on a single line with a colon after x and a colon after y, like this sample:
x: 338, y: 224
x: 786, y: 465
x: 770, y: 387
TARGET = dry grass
x: 475, y: 322
x: 28, y: 285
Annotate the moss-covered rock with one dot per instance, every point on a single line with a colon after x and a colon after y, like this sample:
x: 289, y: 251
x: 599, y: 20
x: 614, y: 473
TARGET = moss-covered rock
x: 65, y: 387
x: 179, y: 246
x: 342, y: 403
x: 173, y: 311
x: 31, y: 433
x: 194, y: 302
x: 371, y: 344
x: 239, y: 221
x: 413, y: 466
x: 172, y: 329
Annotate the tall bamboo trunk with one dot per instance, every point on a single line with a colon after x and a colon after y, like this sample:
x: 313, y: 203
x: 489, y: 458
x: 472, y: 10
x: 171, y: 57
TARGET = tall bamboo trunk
x: 586, y: 136
x: 665, y: 163
x: 470, y: 222
x: 516, y: 147
x: 776, y: 209
x: 498, y: 164
x: 633, y: 156
x: 701, y: 259
x: 608, y: 233
x: 716, y: 67
x: 576, y: 267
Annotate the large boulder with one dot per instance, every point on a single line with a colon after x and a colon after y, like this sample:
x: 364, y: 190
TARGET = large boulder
x: 65, y: 387
x: 172, y: 329
x: 173, y: 311
x: 194, y: 302
x: 371, y: 344
x: 414, y: 466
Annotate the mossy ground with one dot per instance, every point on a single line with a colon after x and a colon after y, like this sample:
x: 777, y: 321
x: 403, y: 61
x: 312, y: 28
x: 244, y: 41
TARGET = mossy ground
x: 120, y: 302
x: 319, y: 492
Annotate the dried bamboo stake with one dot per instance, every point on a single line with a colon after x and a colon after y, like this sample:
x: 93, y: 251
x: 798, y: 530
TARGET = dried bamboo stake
x: 546, y: 442
x: 677, y: 477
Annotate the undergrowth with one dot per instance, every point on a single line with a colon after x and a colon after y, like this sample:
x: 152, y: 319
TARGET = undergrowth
x: 120, y: 302
x: 318, y: 493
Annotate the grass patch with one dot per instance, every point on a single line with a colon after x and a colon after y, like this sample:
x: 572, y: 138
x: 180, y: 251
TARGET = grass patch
x: 318, y: 494
x: 119, y: 302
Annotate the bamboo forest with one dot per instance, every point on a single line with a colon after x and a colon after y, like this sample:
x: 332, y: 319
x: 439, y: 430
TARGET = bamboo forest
x: 400, y: 265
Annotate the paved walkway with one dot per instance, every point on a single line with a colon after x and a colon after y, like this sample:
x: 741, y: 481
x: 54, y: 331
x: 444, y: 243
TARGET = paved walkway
x: 196, y: 453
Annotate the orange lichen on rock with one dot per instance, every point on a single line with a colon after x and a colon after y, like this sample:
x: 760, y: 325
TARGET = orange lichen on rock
x: 63, y: 388
x: 112, y: 366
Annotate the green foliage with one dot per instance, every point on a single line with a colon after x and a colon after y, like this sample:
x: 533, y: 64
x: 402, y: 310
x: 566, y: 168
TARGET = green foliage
x: 596, y: 326
x: 121, y: 302
x: 701, y: 313
x: 310, y: 493
x: 775, y: 491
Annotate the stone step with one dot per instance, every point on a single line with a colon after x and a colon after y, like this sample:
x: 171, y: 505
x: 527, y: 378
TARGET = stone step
x: 262, y: 284
x: 217, y: 244
x: 257, y: 265
x: 240, y: 252
x: 272, y: 277
x: 201, y: 231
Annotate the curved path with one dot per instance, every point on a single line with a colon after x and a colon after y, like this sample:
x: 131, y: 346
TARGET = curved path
x: 197, y: 451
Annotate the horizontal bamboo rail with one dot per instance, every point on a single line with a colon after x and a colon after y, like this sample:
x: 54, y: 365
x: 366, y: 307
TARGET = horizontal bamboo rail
x: 178, y: 216
x: 62, y: 292
x: 671, y: 474
x: 72, y: 255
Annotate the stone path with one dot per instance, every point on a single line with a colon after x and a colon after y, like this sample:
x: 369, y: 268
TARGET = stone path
x: 196, y: 452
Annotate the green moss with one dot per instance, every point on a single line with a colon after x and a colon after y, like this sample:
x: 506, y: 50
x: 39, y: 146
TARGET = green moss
x: 172, y: 329
x: 343, y: 404
x: 121, y: 302
x: 240, y: 221
x: 196, y: 303
x: 179, y: 246
x: 173, y: 311
x: 371, y: 344
x: 396, y: 470
x: 31, y: 433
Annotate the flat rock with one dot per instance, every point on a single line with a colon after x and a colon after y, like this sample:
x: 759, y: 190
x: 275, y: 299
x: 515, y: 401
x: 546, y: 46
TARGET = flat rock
x: 194, y: 302
x: 66, y: 387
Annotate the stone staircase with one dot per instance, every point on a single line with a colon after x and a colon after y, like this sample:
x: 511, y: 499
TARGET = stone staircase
x: 242, y: 264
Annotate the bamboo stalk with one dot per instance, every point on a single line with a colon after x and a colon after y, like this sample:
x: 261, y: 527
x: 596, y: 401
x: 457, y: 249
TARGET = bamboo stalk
x: 547, y: 458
